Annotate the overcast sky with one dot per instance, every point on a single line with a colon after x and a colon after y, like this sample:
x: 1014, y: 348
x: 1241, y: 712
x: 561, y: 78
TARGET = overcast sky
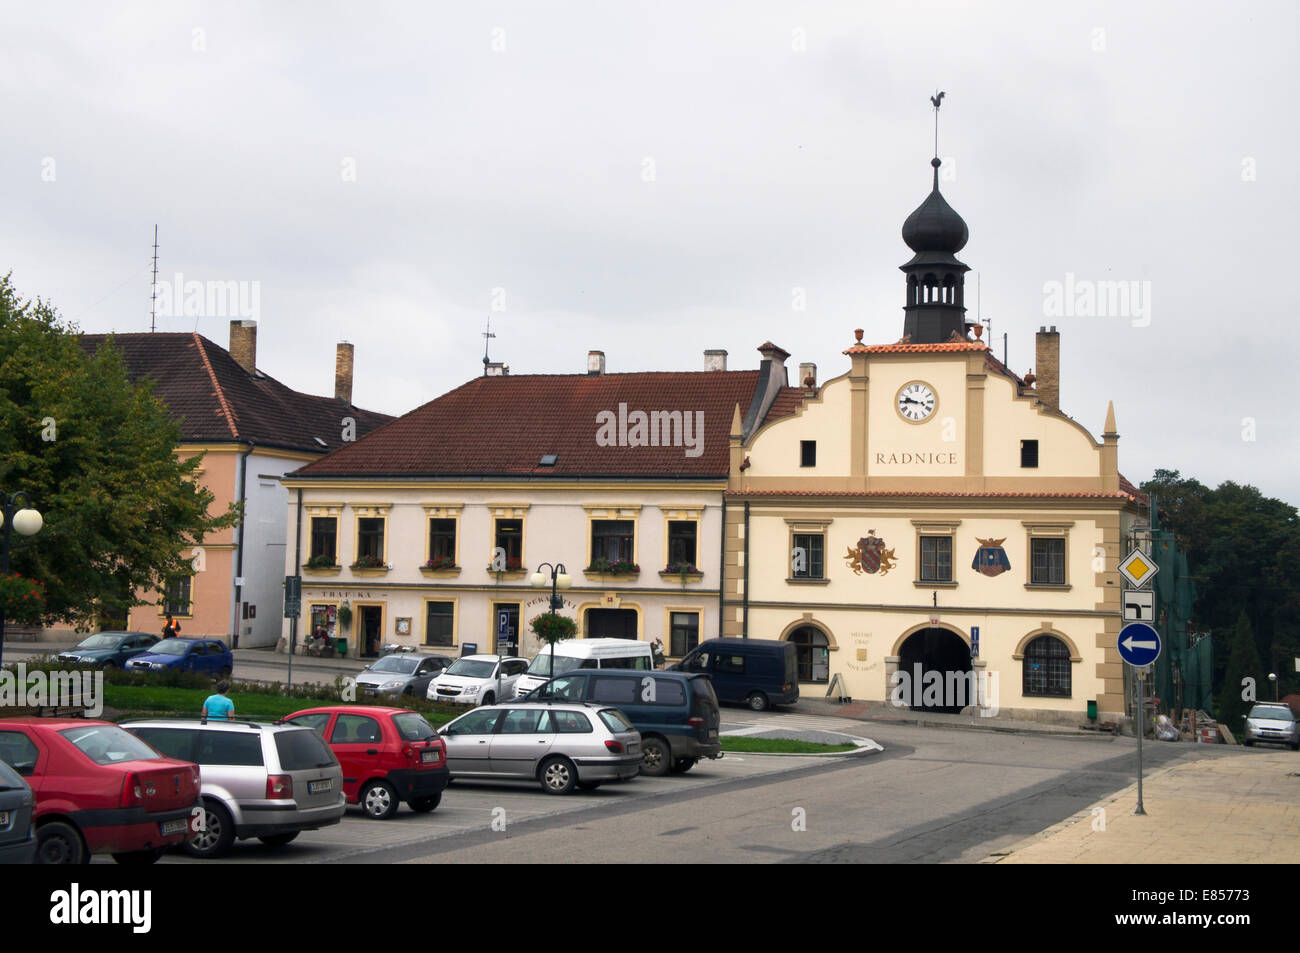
x: 655, y: 179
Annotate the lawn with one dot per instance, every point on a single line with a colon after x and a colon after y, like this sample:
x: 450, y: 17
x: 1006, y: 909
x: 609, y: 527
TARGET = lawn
x: 742, y: 743
x: 160, y: 700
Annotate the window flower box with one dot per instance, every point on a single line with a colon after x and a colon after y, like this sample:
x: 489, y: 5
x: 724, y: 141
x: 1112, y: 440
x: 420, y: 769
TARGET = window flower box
x: 440, y: 567
x: 686, y: 572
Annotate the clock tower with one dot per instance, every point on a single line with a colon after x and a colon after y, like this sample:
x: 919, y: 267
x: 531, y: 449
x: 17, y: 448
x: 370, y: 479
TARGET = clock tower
x: 935, y: 308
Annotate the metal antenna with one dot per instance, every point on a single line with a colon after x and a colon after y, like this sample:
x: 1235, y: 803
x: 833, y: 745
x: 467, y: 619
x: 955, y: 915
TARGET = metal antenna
x: 487, y: 339
x: 153, y: 298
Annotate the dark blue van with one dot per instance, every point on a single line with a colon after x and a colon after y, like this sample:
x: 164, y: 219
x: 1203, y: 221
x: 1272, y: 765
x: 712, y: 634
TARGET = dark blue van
x: 755, y: 672
x: 676, y: 713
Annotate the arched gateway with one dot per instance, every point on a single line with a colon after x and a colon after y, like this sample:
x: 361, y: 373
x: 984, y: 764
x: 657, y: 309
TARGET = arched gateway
x: 945, y: 654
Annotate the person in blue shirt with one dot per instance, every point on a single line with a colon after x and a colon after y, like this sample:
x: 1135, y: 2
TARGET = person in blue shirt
x: 218, y: 707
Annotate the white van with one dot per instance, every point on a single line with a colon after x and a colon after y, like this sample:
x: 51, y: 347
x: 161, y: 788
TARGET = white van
x: 585, y: 653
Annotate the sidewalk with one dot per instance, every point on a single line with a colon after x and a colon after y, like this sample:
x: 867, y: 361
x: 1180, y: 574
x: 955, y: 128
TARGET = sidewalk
x: 885, y: 714
x: 1237, y: 807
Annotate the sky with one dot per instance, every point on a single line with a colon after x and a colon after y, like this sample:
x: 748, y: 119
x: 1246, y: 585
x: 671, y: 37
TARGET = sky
x: 656, y: 179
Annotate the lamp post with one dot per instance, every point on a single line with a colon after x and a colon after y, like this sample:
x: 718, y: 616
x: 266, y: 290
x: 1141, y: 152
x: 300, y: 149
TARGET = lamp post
x: 560, y: 579
x: 1272, y: 677
x: 28, y: 522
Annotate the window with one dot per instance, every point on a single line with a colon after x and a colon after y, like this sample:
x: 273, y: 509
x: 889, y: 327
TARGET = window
x: 936, y: 559
x: 324, y: 537
x: 370, y: 539
x: 439, y: 622
x: 227, y: 747
x: 509, y: 538
x: 526, y: 721
x: 316, y: 723
x: 612, y: 540
x: 19, y: 752
x: 355, y: 730
x: 808, y: 559
x: 1029, y: 453
x: 442, y: 540
x: 1047, y: 668
x: 729, y: 664
x: 681, y: 542
x: 177, y: 596
x: 685, y: 634
x: 807, y: 453
x: 615, y: 691
x: 571, y: 722
x: 1047, y: 561
x: 813, y: 654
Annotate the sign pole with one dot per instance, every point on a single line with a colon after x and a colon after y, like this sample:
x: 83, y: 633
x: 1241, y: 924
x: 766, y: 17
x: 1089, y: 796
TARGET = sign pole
x: 1142, y: 730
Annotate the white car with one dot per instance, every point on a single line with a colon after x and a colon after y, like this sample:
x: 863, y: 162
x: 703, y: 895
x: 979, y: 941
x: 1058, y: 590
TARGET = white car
x: 477, y: 680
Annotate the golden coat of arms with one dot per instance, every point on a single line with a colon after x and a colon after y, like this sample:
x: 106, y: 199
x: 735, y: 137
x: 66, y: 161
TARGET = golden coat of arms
x: 870, y: 556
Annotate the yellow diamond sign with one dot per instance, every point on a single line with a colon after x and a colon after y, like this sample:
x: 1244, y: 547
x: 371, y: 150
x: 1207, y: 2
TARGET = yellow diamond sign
x: 1138, y: 568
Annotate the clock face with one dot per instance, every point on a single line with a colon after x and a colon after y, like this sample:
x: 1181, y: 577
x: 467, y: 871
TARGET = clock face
x: 916, y: 401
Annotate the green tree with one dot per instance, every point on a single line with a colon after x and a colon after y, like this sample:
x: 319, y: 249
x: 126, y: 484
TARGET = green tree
x: 96, y: 455
x: 1243, y: 665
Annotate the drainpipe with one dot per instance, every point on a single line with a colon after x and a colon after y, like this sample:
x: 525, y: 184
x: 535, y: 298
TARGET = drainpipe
x: 744, y: 625
x: 722, y: 567
x: 297, y: 563
x: 239, y: 550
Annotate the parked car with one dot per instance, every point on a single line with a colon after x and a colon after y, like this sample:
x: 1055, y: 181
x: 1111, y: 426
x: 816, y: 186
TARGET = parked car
x: 400, y: 674
x: 561, y: 746
x: 109, y: 649
x: 477, y: 679
x: 1274, y: 723
x: 676, y: 713
x: 388, y: 755
x: 99, y: 789
x: 205, y: 656
x: 573, y: 654
x: 755, y: 672
x: 265, y: 781
x: 17, y: 818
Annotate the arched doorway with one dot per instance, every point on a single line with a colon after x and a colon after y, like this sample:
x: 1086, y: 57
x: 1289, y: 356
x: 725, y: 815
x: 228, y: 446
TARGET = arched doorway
x: 939, y: 651
x: 813, y: 652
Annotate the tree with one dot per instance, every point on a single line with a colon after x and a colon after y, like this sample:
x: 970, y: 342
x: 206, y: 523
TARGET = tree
x: 96, y: 455
x: 1244, y: 675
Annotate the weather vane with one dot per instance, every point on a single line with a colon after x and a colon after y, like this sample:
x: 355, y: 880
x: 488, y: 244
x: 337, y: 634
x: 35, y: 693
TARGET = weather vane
x: 936, y: 99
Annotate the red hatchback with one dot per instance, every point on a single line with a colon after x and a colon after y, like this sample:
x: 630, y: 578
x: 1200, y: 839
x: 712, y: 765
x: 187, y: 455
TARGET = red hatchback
x: 389, y: 755
x: 99, y: 790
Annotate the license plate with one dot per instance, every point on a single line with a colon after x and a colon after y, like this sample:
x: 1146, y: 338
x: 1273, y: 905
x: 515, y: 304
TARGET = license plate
x: 320, y: 787
x: 4, y: 820
x: 428, y: 756
x: 178, y: 826
x: 713, y: 732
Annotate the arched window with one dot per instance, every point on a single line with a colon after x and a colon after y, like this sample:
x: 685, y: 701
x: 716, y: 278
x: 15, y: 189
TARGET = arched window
x: 813, y: 653
x: 1047, y: 668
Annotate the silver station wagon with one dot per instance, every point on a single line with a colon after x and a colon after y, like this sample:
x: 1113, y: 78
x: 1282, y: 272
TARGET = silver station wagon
x: 265, y: 781
x: 561, y: 746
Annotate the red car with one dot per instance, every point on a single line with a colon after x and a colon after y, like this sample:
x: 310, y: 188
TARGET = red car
x: 389, y: 755
x: 99, y: 790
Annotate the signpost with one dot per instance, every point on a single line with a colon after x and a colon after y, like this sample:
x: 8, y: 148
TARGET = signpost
x: 974, y: 641
x: 1139, y: 646
x: 292, y: 610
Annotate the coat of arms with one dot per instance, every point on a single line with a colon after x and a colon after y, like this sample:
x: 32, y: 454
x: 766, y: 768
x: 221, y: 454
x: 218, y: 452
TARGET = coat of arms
x: 870, y: 555
x: 991, y: 559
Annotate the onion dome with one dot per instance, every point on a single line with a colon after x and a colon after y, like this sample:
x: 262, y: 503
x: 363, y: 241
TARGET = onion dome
x: 935, y: 226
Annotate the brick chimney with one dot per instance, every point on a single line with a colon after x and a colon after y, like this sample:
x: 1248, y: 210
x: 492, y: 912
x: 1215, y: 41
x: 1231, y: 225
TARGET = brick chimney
x: 243, y: 343
x: 1047, y: 357
x: 595, y: 363
x: 715, y: 359
x: 343, y: 372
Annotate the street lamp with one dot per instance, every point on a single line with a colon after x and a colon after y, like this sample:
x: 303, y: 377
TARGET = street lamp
x: 28, y: 522
x: 1272, y: 677
x: 560, y: 579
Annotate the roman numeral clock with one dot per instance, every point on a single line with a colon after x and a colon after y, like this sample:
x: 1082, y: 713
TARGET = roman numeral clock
x: 916, y: 402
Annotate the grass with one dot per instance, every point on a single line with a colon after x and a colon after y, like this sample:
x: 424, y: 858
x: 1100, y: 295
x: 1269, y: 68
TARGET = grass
x: 741, y: 743
x: 167, y: 701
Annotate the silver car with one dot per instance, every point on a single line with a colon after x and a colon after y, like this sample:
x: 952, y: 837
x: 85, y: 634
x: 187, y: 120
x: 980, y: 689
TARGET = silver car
x: 265, y: 781
x: 400, y: 674
x: 560, y: 746
x: 1274, y: 723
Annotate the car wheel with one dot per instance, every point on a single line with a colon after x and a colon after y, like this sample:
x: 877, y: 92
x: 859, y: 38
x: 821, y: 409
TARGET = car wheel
x: 59, y: 843
x: 139, y: 858
x: 227, y: 672
x: 423, y: 805
x: 682, y: 765
x: 1247, y: 742
x: 278, y: 840
x: 488, y: 699
x: 108, y: 665
x: 655, y: 757
x: 588, y: 785
x: 379, y: 800
x: 217, y: 835
x: 757, y: 701
x: 558, y: 776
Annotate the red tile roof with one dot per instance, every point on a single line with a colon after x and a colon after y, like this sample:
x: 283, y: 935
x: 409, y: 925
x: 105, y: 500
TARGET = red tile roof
x: 916, y: 348
x: 216, y: 401
x: 503, y: 425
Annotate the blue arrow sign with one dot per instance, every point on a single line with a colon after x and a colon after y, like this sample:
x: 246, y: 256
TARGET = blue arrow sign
x: 1139, y: 644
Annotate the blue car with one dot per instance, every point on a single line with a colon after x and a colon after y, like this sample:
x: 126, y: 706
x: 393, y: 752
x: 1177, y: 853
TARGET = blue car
x: 17, y: 813
x: 108, y: 649
x: 204, y: 656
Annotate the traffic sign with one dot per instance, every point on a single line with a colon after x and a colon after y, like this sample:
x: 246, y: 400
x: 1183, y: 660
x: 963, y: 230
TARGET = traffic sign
x: 1139, y: 644
x: 292, y: 597
x: 974, y: 641
x: 1138, y: 568
x: 1139, y: 605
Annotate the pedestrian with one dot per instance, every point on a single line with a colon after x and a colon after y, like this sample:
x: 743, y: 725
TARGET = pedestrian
x: 657, y: 652
x: 171, y: 628
x: 218, y: 707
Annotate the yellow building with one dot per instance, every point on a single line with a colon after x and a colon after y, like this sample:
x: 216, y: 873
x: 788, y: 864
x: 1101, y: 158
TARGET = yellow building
x: 923, y: 496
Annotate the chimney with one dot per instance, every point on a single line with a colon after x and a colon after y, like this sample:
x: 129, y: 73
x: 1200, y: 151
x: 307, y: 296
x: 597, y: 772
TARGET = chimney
x: 496, y: 369
x: 771, y: 378
x: 243, y: 344
x: 1047, y: 357
x: 715, y: 359
x: 343, y: 372
x: 595, y: 363
x: 808, y: 376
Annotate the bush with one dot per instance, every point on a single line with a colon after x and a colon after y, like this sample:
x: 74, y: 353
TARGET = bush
x: 23, y: 599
